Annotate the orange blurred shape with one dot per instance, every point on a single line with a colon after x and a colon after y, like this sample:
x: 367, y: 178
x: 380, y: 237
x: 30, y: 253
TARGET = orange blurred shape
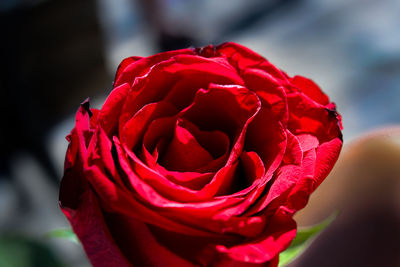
x: 364, y: 187
x: 366, y: 175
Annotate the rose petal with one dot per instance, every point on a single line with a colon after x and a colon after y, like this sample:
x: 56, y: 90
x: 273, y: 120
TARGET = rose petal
x: 294, y: 151
x: 222, y: 181
x: 183, y: 91
x: 276, y: 149
x: 134, y: 129
x: 76, y: 158
x: 226, y: 261
x: 158, y: 178
x: 73, y: 180
x: 100, y: 154
x: 240, y: 106
x: 195, y: 209
x: 111, y: 109
x: 243, y: 58
x: 128, y: 72
x: 280, y: 231
x: 285, y: 180
x: 327, y: 155
x: 184, y: 152
x: 191, y: 180
x: 120, y: 200
x: 160, y: 128
x: 194, y: 214
x: 267, y: 137
x: 124, y: 64
x: 79, y: 137
x: 239, y: 55
x: 214, y: 143
x: 158, y: 82
x: 88, y: 224
x: 253, y: 166
x: 307, y: 141
x: 309, y: 117
x: 269, y: 90
x: 248, y: 227
x: 94, y: 118
x: 139, y: 244
x: 199, y: 250
x: 311, y: 89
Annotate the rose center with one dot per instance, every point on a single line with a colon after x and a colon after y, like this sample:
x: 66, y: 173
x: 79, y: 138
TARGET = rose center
x: 189, y: 148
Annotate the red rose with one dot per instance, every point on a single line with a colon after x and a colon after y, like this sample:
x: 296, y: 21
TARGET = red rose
x: 199, y: 157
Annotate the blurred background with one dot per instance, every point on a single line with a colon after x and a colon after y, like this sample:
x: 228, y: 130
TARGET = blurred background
x: 56, y: 53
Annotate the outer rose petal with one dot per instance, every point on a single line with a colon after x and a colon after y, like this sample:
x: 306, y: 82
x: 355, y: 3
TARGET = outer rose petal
x: 111, y: 109
x: 240, y: 55
x: 135, y: 67
x: 311, y: 89
x: 242, y: 58
x: 309, y: 117
x: 76, y: 156
x: 94, y: 234
x: 327, y: 155
x: 279, y: 233
x: 80, y: 205
x: 139, y: 244
x: 124, y: 64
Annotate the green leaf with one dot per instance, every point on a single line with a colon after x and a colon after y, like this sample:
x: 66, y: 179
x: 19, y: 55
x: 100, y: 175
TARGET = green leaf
x: 22, y: 251
x: 303, y: 240
x: 66, y: 234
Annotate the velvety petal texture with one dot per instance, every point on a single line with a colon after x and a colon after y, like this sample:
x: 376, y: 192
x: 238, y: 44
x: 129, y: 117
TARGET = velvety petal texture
x: 198, y: 157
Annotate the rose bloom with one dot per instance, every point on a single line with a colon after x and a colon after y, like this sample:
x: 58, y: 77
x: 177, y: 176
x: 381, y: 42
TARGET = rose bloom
x: 198, y: 157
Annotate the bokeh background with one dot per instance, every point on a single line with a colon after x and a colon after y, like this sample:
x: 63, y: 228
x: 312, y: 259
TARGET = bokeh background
x: 56, y: 53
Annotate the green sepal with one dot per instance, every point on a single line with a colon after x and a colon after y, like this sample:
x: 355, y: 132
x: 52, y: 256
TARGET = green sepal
x: 66, y: 234
x: 302, y: 240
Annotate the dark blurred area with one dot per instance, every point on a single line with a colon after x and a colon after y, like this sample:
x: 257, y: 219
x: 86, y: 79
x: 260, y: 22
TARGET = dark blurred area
x: 52, y: 55
x: 55, y: 54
